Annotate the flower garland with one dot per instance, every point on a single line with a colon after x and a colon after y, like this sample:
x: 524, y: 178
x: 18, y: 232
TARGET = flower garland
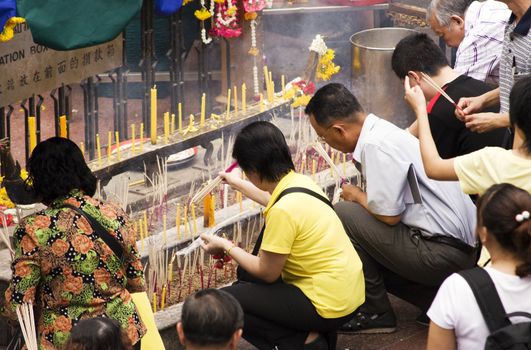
x: 226, y: 21
x: 5, y: 201
x: 251, y: 8
x: 9, y: 28
x: 203, y: 14
x: 326, y: 67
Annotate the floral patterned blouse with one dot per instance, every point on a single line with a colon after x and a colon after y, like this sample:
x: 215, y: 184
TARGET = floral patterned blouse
x: 69, y: 273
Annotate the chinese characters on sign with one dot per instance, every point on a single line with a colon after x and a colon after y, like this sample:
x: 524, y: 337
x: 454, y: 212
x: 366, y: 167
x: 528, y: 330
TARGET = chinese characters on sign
x: 27, y: 68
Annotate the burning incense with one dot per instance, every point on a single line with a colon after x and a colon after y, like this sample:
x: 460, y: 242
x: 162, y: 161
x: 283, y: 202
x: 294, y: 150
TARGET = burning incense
x: 199, y: 196
x: 178, y: 222
x: 434, y: 85
x: 192, y: 209
x: 235, y: 100
x: 319, y: 148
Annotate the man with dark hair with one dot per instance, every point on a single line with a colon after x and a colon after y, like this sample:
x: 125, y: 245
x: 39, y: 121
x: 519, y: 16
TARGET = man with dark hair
x: 211, y: 319
x: 475, y: 28
x: 417, y: 54
x: 409, y: 231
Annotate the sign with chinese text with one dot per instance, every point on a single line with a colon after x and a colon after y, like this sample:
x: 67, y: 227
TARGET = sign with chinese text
x: 27, y: 68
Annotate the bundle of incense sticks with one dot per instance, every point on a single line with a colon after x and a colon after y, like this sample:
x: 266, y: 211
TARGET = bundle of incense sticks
x: 319, y: 149
x: 199, y: 196
x: 27, y: 325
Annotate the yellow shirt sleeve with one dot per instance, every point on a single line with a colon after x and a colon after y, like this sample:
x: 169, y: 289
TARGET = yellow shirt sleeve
x: 472, y: 170
x: 280, y: 232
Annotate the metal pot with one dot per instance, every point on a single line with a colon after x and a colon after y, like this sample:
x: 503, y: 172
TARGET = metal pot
x: 374, y: 83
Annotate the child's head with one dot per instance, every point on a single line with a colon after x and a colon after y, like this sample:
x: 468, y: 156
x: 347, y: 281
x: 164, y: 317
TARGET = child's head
x: 504, y: 215
x: 98, y: 334
x: 520, y: 109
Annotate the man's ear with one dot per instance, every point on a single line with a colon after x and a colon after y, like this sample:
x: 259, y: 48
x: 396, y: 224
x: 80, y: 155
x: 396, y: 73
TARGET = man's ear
x: 236, y: 339
x: 458, y: 20
x: 415, y: 76
x: 180, y: 333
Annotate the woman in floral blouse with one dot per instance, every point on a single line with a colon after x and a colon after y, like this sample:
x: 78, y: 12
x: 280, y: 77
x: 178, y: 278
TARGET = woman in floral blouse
x: 60, y: 265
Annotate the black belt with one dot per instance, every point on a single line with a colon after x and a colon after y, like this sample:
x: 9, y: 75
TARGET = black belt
x: 452, y: 242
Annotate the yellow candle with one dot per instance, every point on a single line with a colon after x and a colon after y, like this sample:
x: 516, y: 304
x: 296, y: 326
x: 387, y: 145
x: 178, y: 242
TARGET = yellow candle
x: 192, y: 122
x: 154, y: 115
x: 109, y: 144
x: 235, y: 100
x: 163, y: 298
x: 63, y: 129
x: 261, y: 102
x: 146, y: 232
x: 154, y: 301
x: 170, y: 272
x: 180, y: 118
x: 228, y: 105
x: 271, y: 89
x: 98, y: 148
x: 266, y: 80
x: 172, y: 127
x: 178, y: 222
x: 133, y: 139
x: 192, y: 209
x: 141, y: 136
x: 283, y: 82
x: 117, y: 135
x: 82, y: 148
x: 244, y: 98
x: 166, y: 127
x: 303, y: 165
x: 203, y: 110
x: 32, y: 130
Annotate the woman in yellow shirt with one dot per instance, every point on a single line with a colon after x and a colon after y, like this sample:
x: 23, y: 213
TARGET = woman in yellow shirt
x: 306, y: 280
x: 479, y: 170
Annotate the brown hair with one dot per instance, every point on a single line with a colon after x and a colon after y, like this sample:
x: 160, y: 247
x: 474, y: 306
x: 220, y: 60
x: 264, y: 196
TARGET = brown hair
x: 497, y: 211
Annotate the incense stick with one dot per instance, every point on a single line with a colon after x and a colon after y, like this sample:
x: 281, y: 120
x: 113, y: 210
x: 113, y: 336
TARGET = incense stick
x: 199, y: 196
x: 434, y: 85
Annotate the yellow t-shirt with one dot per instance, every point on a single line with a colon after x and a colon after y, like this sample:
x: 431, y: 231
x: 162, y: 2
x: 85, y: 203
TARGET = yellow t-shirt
x: 321, y: 261
x: 479, y: 170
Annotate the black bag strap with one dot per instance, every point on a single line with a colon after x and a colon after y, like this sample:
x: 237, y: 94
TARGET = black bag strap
x: 258, y: 243
x: 487, y: 298
x: 100, y: 231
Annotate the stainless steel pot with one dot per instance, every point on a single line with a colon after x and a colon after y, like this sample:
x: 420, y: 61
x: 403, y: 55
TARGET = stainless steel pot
x: 374, y: 83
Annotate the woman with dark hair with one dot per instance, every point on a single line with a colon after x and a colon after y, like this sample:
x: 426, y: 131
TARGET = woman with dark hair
x: 307, y: 279
x: 62, y: 264
x: 504, y: 227
x: 98, y: 333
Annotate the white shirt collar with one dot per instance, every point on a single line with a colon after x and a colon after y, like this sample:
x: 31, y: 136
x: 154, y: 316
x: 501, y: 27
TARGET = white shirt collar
x: 368, y: 124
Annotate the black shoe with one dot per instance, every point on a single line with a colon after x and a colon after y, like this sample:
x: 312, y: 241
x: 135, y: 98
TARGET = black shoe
x: 318, y: 343
x: 423, y: 319
x: 366, y: 323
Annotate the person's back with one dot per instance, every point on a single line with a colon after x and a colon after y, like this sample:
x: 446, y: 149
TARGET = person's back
x: 211, y: 319
x: 504, y: 227
x: 431, y: 206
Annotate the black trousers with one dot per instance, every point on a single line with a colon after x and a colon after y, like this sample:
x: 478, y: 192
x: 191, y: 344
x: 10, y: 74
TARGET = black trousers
x: 137, y: 346
x: 280, y: 315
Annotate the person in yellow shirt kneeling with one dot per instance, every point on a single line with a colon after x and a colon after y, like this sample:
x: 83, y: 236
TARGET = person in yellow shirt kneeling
x: 304, y: 278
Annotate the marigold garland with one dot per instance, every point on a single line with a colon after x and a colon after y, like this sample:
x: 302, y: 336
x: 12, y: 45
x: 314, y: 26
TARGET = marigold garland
x: 9, y: 28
